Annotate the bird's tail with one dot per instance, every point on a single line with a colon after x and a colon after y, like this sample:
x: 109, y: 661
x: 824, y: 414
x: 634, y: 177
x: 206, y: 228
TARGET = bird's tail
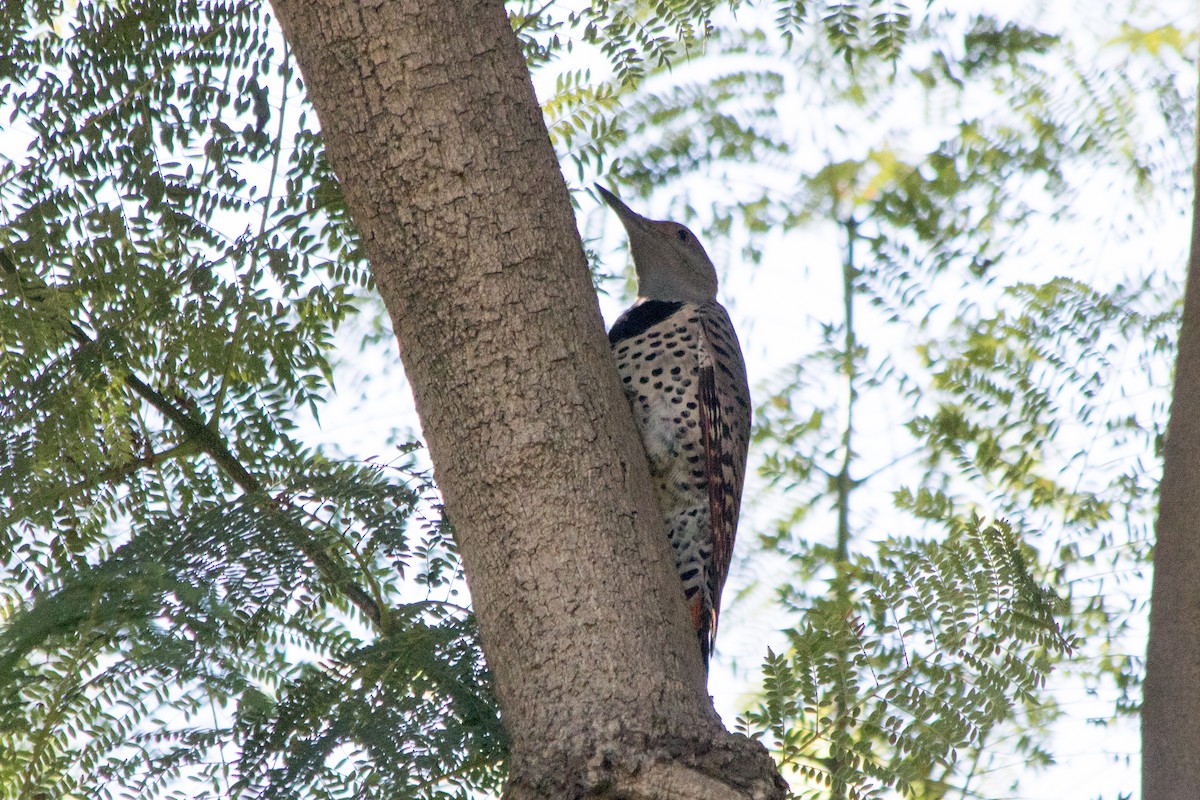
x: 705, y: 622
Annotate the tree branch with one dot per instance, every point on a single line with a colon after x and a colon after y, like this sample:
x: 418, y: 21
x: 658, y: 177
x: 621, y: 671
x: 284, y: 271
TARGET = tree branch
x: 1171, y: 704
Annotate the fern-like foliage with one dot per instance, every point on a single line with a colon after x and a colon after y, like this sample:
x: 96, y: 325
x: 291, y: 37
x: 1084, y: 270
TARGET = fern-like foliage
x: 216, y: 621
x: 195, y: 603
x: 941, y: 642
x: 206, y: 648
x: 580, y: 116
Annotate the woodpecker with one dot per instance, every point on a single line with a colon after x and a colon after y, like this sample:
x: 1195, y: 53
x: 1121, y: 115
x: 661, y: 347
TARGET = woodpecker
x: 683, y: 373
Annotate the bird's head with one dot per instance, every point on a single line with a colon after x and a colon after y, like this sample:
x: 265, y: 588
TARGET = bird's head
x: 670, y: 262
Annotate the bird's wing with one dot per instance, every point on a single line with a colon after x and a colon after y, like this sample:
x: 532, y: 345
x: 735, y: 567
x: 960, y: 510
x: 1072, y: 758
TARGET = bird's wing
x: 712, y: 429
x: 724, y: 399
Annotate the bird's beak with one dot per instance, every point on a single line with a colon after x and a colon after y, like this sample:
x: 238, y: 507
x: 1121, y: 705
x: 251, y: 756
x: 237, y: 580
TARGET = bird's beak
x: 629, y: 218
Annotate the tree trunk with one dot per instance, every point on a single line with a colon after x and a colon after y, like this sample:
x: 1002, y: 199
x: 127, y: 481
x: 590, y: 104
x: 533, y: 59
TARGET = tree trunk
x: 430, y: 121
x: 1171, y: 702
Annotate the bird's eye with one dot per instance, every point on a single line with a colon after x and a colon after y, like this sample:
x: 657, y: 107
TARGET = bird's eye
x: 683, y: 235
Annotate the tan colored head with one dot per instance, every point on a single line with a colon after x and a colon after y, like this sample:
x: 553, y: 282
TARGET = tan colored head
x: 670, y: 262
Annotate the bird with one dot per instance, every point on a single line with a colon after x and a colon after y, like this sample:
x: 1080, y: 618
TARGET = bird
x: 682, y: 369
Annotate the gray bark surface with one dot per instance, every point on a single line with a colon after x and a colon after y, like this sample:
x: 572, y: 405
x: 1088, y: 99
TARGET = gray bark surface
x: 430, y: 121
x: 1171, y: 694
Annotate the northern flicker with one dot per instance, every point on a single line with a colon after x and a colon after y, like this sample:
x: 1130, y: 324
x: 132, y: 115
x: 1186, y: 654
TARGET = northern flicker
x: 683, y: 373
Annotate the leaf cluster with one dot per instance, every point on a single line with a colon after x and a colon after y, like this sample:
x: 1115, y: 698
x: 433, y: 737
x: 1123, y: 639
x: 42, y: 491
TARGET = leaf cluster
x: 195, y: 602
x: 207, y: 650
x: 938, y: 643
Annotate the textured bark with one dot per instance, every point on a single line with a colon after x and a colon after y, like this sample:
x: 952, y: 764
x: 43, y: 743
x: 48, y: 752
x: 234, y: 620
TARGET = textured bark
x: 430, y: 121
x: 1171, y: 701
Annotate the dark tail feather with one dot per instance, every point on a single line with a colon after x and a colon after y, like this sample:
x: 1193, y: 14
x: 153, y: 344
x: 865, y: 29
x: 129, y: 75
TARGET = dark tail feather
x: 705, y: 621
x: 706, y: 632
